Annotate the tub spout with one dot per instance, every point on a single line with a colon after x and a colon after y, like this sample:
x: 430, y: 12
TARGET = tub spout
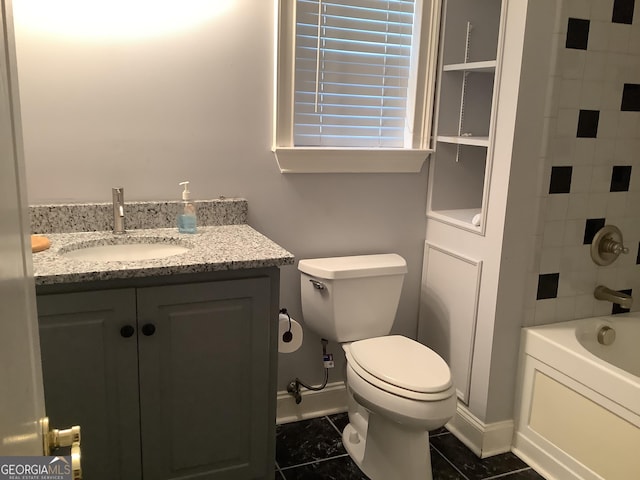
x: 603, y: 293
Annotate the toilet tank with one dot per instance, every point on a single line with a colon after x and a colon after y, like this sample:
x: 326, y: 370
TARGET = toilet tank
x: 351, y: 298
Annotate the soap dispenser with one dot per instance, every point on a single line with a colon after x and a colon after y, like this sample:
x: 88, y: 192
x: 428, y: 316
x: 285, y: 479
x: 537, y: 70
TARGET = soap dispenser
x: 187, y: 218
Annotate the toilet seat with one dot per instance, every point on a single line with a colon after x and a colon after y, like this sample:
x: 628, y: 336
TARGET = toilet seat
x: 401, y: 366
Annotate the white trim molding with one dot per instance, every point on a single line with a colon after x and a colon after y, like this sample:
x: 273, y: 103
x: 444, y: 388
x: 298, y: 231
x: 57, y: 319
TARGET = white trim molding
x: 483, y: 439
x: 328, y: 401
x: 417, y: 141
x: 350, y: 160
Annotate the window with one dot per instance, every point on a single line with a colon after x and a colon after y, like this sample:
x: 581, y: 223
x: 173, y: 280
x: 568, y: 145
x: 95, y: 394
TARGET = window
x: 354, y: 84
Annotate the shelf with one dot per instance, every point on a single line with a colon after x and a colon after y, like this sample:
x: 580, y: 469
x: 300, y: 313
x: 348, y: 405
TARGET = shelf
x: 460, y: 140
x: 461, y: 217
x: 487, y: 66
x: 465, y: 105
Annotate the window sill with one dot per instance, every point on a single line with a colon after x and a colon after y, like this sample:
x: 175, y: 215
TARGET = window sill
x: 344, y: 160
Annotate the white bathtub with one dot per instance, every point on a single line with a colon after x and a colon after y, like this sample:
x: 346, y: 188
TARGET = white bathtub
x: 578, y: 402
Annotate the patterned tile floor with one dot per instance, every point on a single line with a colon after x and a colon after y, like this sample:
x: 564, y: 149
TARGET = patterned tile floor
x: 312, y: 450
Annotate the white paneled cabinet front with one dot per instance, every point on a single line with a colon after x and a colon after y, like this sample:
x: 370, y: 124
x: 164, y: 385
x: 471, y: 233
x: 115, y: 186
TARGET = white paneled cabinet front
x: 170, y: 381
x: 450, y: 290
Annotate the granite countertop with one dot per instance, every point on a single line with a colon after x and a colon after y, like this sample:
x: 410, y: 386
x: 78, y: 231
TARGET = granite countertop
x: 213, y: 248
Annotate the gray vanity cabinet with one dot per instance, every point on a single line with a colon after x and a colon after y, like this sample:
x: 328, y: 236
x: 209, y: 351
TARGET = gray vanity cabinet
x: 167, y: 382
x: 204, y: 380
x: 91, y: 377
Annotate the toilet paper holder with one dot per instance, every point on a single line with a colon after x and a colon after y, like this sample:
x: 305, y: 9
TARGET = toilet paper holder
x: 287, y: 336
x: 290, y: 333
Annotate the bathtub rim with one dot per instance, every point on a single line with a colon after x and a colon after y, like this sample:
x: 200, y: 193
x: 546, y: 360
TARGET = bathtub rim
x: 557, y: 345
x: 561, y: 364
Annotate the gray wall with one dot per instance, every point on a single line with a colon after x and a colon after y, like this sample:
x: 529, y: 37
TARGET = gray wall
x: 196, y: 104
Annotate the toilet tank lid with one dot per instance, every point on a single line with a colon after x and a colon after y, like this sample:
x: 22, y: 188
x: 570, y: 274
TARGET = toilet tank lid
x: 354, y: 266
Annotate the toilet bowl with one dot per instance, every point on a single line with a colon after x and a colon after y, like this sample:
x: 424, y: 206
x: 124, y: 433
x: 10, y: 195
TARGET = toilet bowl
x: 398, y: 389
x: 394, y: 402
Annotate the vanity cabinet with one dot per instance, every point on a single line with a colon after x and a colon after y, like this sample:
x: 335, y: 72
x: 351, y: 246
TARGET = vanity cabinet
x: 91, y: 377
x: 465, y: 112
x: 166, y: 381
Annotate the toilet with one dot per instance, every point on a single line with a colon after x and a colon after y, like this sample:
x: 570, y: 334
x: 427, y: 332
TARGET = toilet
x: 398, y: 389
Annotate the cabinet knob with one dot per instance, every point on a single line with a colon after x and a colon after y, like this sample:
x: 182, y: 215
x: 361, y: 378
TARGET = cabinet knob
x: 148, y: 329
x: 127, y: 331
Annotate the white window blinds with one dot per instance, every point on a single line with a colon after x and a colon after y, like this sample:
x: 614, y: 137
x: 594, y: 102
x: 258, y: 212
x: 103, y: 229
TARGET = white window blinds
x: 353, y: 72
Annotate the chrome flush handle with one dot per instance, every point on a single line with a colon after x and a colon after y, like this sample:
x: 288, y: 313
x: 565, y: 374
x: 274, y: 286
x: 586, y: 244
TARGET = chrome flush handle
x: 318, y: 285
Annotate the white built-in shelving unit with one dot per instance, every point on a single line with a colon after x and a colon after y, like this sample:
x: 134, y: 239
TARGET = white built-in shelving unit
x: 495, y: 61
x: 465, y: 112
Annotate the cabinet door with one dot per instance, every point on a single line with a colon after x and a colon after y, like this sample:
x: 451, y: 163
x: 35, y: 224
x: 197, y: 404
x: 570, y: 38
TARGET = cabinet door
x: 205, y: 374
x: 91, y: 376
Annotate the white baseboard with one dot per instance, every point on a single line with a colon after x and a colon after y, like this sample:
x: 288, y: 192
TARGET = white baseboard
x: 332, y: 399
x: 485, y: 440
x: 550, y: 466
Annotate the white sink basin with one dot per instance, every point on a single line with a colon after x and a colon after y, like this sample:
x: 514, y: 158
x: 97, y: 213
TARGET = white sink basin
x: 128, y: 252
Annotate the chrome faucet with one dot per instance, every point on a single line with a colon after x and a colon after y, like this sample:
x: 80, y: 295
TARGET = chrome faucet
x: 603, y: 293
x: 118, y: 210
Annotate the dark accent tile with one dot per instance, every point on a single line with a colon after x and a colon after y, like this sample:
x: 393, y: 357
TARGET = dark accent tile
x: 470, y: 465
x: 307, y: 441
x: 577, y: 33
x: 548, y: 285
x: 616, y: 309
x: 528, y: 474
x: 450, y: 458
x: 630, y: 98
x: 340, y: 420
x: 623, y: 11
x: 591, y: 228
x: 620, y: 178
x: 638, y: 257
x: 560, y: 179
x: 588, y: 123
x: 442, y: 469
x: 341, y: 468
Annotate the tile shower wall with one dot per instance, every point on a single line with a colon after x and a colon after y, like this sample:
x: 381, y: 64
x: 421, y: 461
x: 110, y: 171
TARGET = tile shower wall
x: 590, y: 161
